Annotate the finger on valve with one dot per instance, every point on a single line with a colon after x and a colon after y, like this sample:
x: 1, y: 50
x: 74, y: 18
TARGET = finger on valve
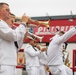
x: 38, y: 46
x: 24, y: 18
x: 43, y: 49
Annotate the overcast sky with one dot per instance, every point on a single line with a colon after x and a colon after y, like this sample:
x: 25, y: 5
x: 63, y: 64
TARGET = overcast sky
x: 42, y: 7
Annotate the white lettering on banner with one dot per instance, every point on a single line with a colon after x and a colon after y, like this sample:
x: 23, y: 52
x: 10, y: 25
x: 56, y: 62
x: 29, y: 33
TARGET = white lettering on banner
x: 52, y: 30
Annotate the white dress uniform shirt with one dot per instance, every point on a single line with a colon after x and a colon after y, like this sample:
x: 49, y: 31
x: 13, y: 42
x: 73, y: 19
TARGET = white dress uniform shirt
x: 32, y: 56
x: 32, y: 60
x: 54, y: 52
x: 8, y: 54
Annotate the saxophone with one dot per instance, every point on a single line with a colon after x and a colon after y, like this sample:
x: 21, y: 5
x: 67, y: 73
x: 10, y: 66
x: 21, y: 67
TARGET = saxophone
x: 67, y: 63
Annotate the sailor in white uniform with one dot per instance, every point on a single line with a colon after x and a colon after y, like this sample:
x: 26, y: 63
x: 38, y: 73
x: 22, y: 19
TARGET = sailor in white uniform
x: 54, y: 53
x: 32, y: 57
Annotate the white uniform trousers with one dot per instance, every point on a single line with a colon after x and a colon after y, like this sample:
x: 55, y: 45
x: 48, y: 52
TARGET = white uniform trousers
x: 34, y: 70
x: 7, y: 70
x: 60, y: 70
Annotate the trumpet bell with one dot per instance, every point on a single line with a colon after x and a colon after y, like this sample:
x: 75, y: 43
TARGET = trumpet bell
x: 46, y: 23
x: 38, y: 37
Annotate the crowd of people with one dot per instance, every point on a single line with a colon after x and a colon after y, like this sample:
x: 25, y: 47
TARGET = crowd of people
x: 39, y: 61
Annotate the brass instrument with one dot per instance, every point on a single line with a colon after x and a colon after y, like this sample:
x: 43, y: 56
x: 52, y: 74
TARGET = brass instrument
x: 30, y: 35
x: 67, y: 63
x: 38, y: 37
x: 45, y: 23
x: 48, y: 70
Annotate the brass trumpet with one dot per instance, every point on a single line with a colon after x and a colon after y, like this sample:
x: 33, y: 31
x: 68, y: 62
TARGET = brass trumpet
x: 45, y: 23
x: 38, y: 37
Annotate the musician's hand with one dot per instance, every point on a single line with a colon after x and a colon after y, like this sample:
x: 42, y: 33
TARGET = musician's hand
x: 47, y: 68
x: 38, y: 46
x: 66, y: 61
x: 43, y: 49
x: 25, y: 18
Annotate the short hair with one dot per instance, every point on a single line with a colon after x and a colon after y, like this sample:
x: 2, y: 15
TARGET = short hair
x: 62, y: 32
x: 11, y: 14
x: 2, y: 3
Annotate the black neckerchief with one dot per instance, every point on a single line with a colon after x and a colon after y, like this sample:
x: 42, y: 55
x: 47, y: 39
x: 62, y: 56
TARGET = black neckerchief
x: 16, y: 44
x: 34, y: 48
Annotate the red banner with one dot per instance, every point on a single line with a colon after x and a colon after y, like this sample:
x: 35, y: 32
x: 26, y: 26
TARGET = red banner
x: 60, y: 24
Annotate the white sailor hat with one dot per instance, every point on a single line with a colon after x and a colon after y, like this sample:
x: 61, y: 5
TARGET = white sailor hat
x: 32, y: 38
